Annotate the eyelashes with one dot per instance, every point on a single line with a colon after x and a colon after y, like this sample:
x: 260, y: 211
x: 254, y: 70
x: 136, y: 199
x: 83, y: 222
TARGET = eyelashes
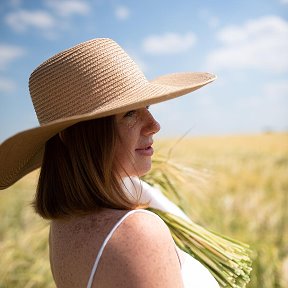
x: 133, y: 112
x: 130, y: 113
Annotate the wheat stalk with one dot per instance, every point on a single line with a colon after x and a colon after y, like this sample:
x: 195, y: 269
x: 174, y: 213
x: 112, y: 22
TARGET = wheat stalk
x: 228, y: 260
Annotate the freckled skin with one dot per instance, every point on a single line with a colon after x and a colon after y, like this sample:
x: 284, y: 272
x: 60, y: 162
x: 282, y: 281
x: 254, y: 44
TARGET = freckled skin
x: 141, y: 252
x: 136, y: 130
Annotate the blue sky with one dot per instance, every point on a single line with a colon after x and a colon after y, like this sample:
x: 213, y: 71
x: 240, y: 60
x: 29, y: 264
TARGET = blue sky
x: 245, y: 43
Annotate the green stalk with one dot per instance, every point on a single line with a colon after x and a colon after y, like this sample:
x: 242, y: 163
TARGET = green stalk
x: 227, y: 259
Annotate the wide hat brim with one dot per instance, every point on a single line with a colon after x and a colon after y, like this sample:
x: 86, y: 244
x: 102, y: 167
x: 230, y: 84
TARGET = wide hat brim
x: 23, y: 152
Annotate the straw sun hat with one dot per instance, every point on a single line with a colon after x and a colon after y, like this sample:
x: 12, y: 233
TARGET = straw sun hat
x: 90, y: 80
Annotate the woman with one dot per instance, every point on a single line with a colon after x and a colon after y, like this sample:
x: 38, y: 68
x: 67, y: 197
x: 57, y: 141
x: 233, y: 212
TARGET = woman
x: 95, y: 136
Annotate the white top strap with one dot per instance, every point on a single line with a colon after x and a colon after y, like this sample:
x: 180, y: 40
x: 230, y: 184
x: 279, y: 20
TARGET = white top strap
x: 89, y: 285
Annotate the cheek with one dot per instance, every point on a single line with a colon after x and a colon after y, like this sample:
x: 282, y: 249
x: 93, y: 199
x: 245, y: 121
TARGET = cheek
x: 125, y: 145
x: 128, y: 132
x: 124, y: 157
x: 125, y: 138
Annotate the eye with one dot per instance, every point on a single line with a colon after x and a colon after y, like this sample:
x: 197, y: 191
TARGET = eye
x: 130, y: 113
x: 148, y: 107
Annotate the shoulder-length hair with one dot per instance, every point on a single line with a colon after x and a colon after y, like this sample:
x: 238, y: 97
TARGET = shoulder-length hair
x: 78, y: 173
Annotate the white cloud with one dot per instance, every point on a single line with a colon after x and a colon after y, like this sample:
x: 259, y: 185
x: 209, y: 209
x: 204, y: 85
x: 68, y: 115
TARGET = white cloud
x: 57, y: 16
x: 68, y: 7
x: 169, y: 43
x: 258, y: 44
x: 21, y: 20
x: 284, y: 1
x: 122, y: 13
x: 8, y: 54
x: 7, y: 85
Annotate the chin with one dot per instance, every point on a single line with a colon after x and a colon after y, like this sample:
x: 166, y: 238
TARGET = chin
x: 136, y: 169
x: 144, y: 170
x: 141, y: 171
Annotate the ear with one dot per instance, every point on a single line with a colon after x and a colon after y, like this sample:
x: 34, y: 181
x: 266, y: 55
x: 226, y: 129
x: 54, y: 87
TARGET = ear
x: 61, y: 136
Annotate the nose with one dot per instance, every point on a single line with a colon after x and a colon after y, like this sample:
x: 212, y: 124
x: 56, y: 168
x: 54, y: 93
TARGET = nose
x: 151, y: 126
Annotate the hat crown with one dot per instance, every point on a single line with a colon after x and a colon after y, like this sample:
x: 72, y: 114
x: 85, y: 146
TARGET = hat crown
x: 88, y: 76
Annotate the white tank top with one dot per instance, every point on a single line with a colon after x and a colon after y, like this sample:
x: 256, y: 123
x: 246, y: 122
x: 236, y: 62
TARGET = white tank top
x: 194, y: 274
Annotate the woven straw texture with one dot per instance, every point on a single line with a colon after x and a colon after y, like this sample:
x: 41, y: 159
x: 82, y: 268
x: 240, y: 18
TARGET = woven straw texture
x: 90, y: 80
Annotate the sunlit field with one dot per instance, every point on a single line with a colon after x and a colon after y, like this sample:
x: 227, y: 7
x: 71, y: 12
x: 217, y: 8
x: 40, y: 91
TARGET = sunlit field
x: 242, y: 192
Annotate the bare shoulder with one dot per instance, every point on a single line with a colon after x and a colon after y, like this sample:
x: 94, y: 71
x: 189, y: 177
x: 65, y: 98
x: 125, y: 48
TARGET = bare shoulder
x: 141, y: 253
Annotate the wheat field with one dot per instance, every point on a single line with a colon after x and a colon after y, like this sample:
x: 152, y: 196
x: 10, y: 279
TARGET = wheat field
x: 242, y: 192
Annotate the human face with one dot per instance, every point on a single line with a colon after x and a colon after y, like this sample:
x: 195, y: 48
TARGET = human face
x: 134, y: 144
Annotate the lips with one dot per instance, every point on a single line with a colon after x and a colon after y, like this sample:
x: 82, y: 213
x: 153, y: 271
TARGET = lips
x: 145, y: 147
x: 146, y: 150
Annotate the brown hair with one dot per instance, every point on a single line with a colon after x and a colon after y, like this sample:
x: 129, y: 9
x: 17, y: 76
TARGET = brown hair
x: 78, y: 172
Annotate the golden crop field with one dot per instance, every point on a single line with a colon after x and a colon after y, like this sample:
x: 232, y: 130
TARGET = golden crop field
x: 241, y: 192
